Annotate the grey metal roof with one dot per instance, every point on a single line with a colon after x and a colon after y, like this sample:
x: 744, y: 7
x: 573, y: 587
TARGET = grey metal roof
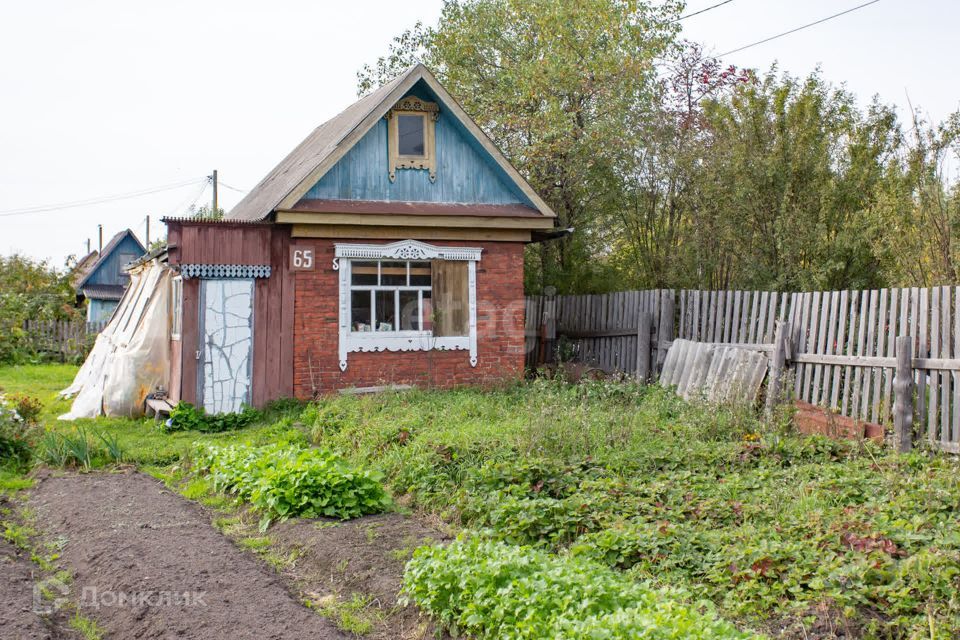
x: 290, y: 179
x: 103, y: 291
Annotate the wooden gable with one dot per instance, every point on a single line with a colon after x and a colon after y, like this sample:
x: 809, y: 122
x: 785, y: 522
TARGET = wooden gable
x: 465, y: 174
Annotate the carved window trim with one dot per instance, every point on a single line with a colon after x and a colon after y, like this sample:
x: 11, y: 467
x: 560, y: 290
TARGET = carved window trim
x: 350, y: 341
x: 413, y: 106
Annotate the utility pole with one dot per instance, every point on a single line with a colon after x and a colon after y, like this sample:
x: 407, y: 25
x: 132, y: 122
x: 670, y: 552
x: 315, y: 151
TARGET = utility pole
x: 88, y: 246
x: 148, y: 232
x: 213, y: 178
x: 100, y: 233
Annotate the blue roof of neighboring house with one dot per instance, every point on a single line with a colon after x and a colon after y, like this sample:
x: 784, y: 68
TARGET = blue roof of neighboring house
x: 106, y: 277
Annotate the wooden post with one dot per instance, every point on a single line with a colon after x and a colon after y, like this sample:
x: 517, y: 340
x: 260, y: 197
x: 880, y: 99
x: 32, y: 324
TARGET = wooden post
x: 548, y: 329
x: 903, y: 389
x: 643, y: 346
x: 665, y: 330
x: 778, y: 366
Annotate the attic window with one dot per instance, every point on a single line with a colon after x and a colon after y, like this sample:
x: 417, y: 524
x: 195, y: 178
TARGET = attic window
x: 410, y: 129
x: 411, y: 136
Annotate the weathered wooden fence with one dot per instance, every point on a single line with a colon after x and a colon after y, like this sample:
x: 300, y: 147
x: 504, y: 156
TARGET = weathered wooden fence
x: 842, y: 345
x: 62, y: 339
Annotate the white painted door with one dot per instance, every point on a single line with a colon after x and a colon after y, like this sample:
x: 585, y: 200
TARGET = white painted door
x: 226, y: 349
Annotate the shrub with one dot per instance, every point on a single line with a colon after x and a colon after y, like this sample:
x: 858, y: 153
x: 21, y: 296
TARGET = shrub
x: 186, y: 417
x: 490, y: 589
x: 15, y: 436
x: 283, y: 480
x: 28, y: 407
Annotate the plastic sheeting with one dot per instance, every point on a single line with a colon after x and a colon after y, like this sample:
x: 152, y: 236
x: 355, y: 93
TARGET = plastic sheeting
x: 131, y: 357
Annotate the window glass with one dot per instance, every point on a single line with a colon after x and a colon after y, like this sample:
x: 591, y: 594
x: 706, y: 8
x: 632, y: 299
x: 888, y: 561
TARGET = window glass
x: 419, y: 274
x: 393, y: 274
x: 409, y: 310
x: 386, y: 310
x: 363, y: 274
x: 410, y: 135
x: 177, y: 328
x: 385, y: 296
x: 360, y: 318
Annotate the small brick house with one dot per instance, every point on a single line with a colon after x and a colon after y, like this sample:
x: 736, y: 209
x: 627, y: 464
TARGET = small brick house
x: 387, y: 248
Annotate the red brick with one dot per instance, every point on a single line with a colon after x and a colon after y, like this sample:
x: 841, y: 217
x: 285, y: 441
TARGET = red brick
x: 500, y: 339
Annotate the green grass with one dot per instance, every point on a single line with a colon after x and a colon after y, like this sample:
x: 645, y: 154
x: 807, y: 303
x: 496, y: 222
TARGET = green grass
x: 358, y: 615
x: 140, y: 440
x: 769, y: 528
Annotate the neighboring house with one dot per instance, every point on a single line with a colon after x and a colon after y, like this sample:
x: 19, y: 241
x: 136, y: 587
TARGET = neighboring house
x: 104, y: 282
x: 387, y: 248
x: 81, y: 269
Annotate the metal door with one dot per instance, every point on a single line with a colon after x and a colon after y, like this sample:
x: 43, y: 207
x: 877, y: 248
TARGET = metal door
x: 226, y: 349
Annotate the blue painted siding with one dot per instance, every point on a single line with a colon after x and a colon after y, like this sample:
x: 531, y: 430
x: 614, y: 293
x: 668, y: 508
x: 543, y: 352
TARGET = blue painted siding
x: 465, y: 171
x: 111, y: 270
x: 100, y: 310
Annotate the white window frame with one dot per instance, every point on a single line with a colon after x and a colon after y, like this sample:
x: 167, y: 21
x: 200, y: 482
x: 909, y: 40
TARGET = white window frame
x: 176, y: 306
x: 406, y: 250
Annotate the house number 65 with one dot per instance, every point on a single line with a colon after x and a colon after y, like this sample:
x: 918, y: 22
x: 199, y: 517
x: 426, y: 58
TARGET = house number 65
x: 301, y: 259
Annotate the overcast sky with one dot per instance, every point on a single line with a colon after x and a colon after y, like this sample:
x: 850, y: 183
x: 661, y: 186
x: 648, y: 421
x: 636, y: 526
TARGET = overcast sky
x: 107, y: 97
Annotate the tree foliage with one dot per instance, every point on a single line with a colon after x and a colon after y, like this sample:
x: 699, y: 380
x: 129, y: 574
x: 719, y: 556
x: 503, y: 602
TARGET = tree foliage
x: 30, y: 290
x: 676, y: 171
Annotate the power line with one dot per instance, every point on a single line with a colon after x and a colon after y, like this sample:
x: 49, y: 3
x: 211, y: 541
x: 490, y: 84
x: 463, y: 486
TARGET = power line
x: 93, y: 201
x: 224, y: 184
x: 696, y: 13
x: 801, y: 28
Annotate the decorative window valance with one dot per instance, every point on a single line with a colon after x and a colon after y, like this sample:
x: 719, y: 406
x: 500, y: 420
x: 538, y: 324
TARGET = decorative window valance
x: 405, y: 250
x: 225, y: 270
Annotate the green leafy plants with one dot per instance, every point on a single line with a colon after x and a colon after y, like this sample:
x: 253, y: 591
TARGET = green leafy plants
x: 285, y: 480
x: 186, y: 417
x: 16, y: 435
x: 79, y: 449
x: 494, y: 590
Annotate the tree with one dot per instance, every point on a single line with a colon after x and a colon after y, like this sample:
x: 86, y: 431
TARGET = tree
x: 562, y: 87
x: 30, y: 290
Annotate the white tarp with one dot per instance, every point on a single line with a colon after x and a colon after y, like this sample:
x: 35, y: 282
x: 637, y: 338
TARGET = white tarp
x: 131, y: 356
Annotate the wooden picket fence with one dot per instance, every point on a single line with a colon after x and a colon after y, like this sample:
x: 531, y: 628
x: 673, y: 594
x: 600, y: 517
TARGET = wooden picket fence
x: 842, y: 352
x: 64, y: 340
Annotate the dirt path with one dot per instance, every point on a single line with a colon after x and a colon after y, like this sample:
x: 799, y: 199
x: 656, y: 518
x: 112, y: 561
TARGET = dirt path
x: 19, y: 617
x: 148, y: 564
x: 363, y: 557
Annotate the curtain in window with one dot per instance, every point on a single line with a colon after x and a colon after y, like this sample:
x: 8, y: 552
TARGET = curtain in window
x: 451, y: 298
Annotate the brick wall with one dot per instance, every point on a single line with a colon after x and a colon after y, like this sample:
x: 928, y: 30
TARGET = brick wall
x: 500, y: 340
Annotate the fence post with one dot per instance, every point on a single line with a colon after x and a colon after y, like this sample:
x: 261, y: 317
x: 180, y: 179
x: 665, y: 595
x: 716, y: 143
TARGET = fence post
x: 903, y: 389
x: 665, y: 329
x: 643, y: 346
x: 548, y: 329
x: 778, y: 366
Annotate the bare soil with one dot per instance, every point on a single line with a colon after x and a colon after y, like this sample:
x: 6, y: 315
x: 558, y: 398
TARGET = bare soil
x: 158, y: 567
x: 366, y: 557
x: 19, y: 618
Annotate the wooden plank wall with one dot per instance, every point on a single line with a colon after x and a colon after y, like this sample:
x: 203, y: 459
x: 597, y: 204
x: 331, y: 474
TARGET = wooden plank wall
x: 598, y: 329
x: 65, y: 340
x: 843, y: 341
x: 845, y: 355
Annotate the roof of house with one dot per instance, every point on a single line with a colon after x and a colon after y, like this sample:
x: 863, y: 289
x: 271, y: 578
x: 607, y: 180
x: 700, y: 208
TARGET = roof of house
x: 287, y: 183
x: 105, y: 254
x: 103, y: 291
x: 82, y: 268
